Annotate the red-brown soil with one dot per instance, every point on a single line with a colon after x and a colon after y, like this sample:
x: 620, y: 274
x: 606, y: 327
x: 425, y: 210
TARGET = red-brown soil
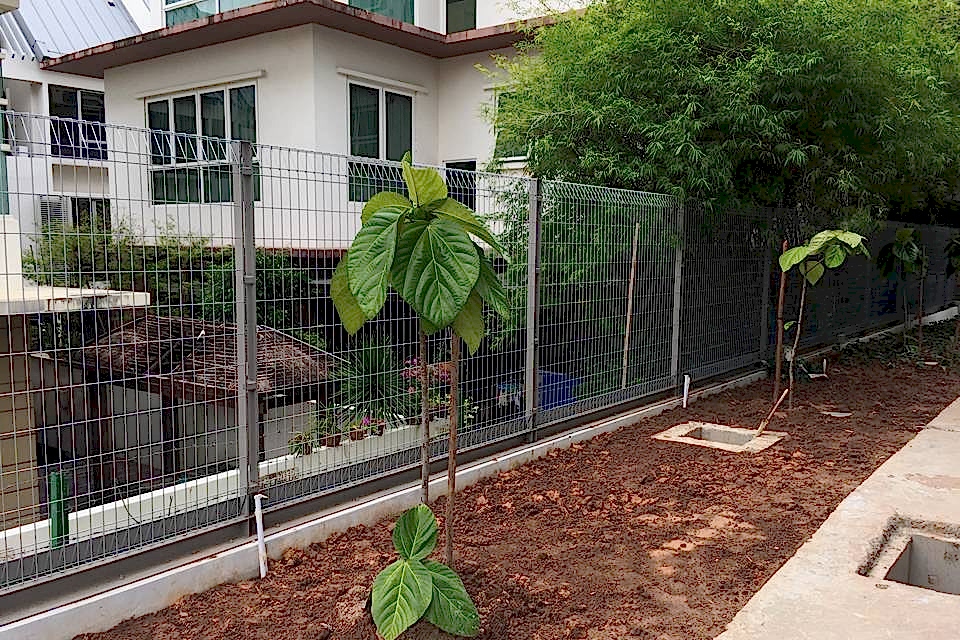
x: 621, y: 537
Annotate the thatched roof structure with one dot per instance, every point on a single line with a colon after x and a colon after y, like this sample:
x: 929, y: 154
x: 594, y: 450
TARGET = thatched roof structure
x: 192, y: 359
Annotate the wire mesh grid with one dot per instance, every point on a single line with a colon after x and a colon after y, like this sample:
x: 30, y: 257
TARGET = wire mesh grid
x: 119, y: 379
x: 168, y: 346
x: 607, y: 295
x: 363, y: 422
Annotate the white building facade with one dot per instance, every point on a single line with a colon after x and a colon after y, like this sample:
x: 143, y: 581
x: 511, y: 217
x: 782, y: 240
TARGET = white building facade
x: 354, y: 86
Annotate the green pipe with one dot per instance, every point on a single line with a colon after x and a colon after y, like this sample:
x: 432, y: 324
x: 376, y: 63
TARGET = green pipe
x: 59, y: 514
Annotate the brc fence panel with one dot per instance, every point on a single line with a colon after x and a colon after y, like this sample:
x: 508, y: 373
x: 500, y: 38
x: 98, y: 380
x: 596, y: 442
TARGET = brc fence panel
x: 360, y: 420
x: 118, y: 361
x: 607, y: 297
x: 725, y: 264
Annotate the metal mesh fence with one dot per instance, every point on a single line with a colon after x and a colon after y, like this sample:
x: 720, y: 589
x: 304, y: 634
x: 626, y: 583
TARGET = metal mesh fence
x: 168, y: 346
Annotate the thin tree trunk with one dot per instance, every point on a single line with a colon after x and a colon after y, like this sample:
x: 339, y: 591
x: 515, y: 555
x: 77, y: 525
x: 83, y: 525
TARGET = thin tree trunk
x: 956, y: 331
x: 778, y: 369
x: 796, y: 340
x: 454, y: 415
x: 424, y: 420
x: 920, y: 315
x: 906, y: 310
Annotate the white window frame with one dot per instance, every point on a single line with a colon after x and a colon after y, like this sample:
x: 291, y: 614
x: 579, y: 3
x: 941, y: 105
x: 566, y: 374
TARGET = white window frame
x: 171, y: 135
x: 383, y: 90
x: 87, y: 146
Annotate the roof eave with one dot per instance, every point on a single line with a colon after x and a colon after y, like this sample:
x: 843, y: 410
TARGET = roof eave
x: 284, y: 14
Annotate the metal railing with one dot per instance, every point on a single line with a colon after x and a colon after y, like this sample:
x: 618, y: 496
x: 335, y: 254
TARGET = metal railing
x: 171, y: 347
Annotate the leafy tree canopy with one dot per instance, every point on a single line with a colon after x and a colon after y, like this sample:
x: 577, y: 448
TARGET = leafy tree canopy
x: 841, y: 107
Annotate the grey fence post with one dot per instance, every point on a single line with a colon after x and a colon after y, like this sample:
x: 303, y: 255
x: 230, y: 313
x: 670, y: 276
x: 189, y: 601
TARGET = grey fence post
x: 531, y: 380
x: 677, y: 300
x: 245, y: 262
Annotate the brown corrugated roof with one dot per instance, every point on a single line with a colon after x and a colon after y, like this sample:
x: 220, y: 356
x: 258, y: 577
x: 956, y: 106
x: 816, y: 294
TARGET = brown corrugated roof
x: 284, y: 14
x: 186, y: 358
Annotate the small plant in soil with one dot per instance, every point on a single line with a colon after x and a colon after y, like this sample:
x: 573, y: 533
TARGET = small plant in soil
x: 416, y: 587
x: 826, y: 250
x: 301, y: 444
x: 905, y: 256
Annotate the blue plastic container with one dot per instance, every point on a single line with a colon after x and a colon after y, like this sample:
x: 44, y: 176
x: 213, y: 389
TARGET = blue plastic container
x: 556, y: 389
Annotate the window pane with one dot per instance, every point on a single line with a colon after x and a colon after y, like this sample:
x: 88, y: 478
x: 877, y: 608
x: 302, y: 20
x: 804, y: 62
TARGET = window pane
x: 213, y: 124
x: 368, y: 179
x: 158, y: 120
x: 64, y: 136
x: 364, y: 121
x: 227, y: 5
x: 185, y: 122
x: 397, y: 9
x: 243, y: 113
x: 507, y: 146
x: 399, y: 125
x: 218, y: 183
x: 461, y: 15
x: 462, y: 182
x: 201, y: 9
x: 172, y: 186
x: 93, y: 138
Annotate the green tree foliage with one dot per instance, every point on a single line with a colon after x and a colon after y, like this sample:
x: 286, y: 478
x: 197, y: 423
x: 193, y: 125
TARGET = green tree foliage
x: 836, y: 106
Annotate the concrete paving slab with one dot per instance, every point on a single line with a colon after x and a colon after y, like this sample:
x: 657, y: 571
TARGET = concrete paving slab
x: 819, y: 594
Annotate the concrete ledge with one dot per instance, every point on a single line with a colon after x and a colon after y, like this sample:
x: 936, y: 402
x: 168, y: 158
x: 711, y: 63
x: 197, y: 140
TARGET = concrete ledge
x: 819, y: 593
x: 146, y: 595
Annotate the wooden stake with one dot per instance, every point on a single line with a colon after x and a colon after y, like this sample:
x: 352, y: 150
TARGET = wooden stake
x: 766, y: 421
x: 633, y: 279
x: 424, y: 420
x: 454, y: 414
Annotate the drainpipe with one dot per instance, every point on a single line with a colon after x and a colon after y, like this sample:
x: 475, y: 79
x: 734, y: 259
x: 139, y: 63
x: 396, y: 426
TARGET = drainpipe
x: 4, y: 143
x: 261, y: 545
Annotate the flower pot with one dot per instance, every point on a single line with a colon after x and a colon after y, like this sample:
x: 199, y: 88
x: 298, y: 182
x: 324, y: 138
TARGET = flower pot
x: 358, y: 434
x: 332, y: 441
x: 379, y: 427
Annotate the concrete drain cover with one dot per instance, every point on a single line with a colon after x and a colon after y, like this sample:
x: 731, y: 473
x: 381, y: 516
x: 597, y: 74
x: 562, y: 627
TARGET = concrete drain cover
x: 919, y: 555
x: 719, y: 436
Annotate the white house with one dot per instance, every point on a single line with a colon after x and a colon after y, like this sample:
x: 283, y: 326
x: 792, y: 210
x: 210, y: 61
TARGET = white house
x: 53, y: 170
x: 355, y: 87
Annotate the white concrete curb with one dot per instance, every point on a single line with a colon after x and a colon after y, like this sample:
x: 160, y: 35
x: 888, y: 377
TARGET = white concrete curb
x: 147, y: 595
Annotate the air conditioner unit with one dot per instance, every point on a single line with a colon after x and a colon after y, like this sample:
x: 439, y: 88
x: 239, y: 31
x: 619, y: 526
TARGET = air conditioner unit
x: 55, y: 211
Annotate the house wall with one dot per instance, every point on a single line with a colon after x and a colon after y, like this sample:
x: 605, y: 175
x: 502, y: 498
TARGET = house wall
x: 19, y: 496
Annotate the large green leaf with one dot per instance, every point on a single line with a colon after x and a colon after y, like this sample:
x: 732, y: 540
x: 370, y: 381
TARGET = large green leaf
x: 490, y: 287
x: 371, y: 257
x: 451, y: 608
x: 851, y: 239
x: 401, y: 595
x: 382, y: 200
x: 793, y: 257
x: 415, y: 534
x: 465, y: 217
x: 469, y: 322
x: 812, y: 270
x: 436, y: 268
x: 345, y: 303
x: 425, y: 185
x: 834, y: 254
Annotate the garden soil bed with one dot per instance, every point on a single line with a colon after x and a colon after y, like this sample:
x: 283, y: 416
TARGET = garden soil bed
x: 621, y: 537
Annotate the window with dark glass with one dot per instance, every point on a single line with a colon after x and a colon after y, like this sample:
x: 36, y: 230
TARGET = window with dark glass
x: 462, y: 182
x: 189, y: 142
x: 180, y: 11
x: 401, y: 10
x: 77, y: 128
x: 381, y: 128
x: 461, y: 15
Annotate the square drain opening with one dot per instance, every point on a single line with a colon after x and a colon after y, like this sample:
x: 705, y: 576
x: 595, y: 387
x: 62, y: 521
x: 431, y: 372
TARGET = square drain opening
x: 928, y: 562
x: 719, y: 436
x: 711, y: 433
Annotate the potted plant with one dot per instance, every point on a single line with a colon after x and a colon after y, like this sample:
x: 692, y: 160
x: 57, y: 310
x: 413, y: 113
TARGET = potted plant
x: 371, y: 385
x: 359, y: 429
x: 301, y: 444
x: 329, y: 432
